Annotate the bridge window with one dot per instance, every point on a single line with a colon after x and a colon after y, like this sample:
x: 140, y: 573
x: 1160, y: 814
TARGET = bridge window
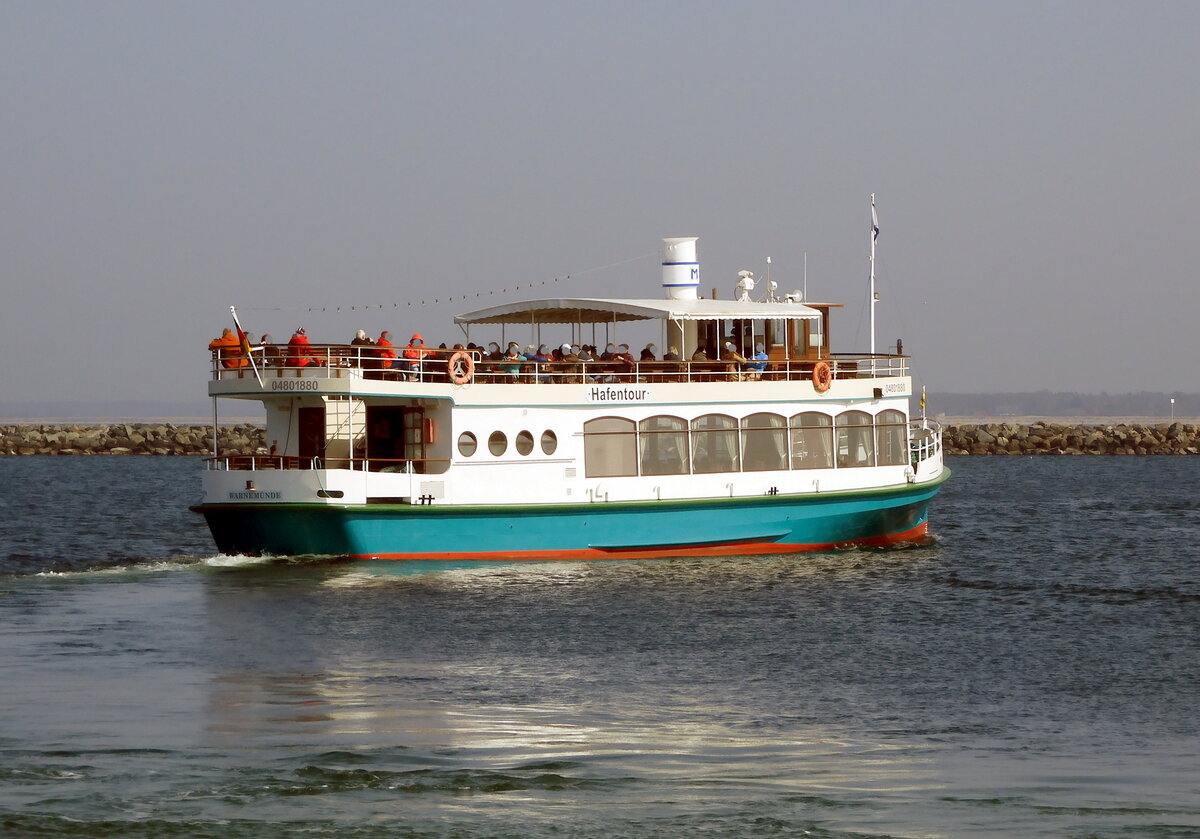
x: 891, y: 438
x: 663, y: 444
x: 609, y: 447
x: 714, y: 444
x: 855, y: 440
x: 812, y: 440
x: 764, y: 443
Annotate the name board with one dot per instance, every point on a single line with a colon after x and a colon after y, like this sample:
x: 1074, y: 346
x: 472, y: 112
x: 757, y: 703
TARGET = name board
x: 240, y: 495
x: 617, y: 393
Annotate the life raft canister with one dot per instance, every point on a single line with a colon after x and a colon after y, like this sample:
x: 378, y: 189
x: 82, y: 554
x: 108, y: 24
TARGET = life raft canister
x: 460, y: 368
x: 822, y: 376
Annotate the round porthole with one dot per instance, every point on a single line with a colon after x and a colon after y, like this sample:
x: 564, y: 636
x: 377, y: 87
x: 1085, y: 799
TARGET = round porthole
x: 467, y: 444
x: 549, y: 442
x: 524, y: 442
x: 497, y: 443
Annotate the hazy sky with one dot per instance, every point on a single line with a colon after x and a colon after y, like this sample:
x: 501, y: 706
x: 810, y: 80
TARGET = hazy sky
x: 1032, y: 164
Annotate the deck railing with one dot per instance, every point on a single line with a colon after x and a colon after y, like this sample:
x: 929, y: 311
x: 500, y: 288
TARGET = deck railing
x: 340, y: 361
x: 924, y: 439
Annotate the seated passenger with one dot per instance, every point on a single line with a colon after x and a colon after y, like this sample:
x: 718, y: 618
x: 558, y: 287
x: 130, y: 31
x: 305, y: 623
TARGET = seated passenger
x: 736, y: 359
x: 385, y: 351
x: 511, y: 362
x: 700, y: 354
x: 300, y: 351
x: 759, y: 364
x: 609, y: 353
x: 270, y: 353
x: 229, y: 350
x: 672, y: 354
x: 648, y: 354
x: 414, y: 356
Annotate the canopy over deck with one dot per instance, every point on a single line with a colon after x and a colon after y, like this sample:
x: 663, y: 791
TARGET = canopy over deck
x: 597, y: 310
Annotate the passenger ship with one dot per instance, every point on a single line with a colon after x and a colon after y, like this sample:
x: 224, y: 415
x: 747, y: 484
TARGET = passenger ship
x: 466, y: 458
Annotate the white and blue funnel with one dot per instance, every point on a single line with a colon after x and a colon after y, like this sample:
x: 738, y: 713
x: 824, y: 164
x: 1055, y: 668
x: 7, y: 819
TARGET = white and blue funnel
x: 680, y: 270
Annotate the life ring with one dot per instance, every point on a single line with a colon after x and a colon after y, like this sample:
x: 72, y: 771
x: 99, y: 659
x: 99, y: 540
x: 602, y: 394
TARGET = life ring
x: 460, y: 368
x: 822, y: 376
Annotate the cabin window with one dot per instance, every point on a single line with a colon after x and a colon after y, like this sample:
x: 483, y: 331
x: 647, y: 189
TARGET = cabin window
x: 855, y: 440
x: 764, y: 443
x: 497, y: 443
x: 812, y: 440
x: 467, y: 444
x: 609, y: 447
x: 663, y: 444
x: 714, y: 444
x: 549, y: 442
x: 891, y: 438
x: 524, y: 442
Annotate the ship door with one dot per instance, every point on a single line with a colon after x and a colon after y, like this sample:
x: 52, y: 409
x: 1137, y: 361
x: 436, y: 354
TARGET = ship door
x: 312, y: 435
x: 417, y: 434
x: 385, y: 437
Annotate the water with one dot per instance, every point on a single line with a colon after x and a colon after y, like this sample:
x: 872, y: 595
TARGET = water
x: 1033, y: 672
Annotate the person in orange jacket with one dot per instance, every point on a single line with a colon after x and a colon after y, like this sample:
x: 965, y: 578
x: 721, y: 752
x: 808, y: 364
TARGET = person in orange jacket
x: 385, y: 350
x: 300, y: 352
x: 413, y: 354
x: 229, y: 350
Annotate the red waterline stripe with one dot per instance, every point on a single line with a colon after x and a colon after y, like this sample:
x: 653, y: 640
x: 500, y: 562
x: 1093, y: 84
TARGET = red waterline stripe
x: 737, y: 549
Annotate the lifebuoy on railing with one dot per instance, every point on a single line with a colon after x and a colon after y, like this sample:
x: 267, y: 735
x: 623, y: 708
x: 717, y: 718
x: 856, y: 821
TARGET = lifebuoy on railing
x: 460, y: 368
x: 822, y: 376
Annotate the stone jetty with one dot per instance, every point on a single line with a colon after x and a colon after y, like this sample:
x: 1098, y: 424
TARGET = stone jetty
x: 1036, y: 438
x: 163, y: 439
x: 1045, y: 437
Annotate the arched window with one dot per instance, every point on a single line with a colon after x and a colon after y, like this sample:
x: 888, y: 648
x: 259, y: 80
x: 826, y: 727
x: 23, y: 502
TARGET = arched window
x: 663, y: 444
x: 609, y: 447
x: 891, y: 438
x: 855, y: 440
x: 812, y: 440
x: 714, y: 444
x: 764, y: 443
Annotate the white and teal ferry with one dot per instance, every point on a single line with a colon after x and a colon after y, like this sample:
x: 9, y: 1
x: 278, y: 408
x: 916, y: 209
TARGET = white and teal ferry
x: 466, y: 458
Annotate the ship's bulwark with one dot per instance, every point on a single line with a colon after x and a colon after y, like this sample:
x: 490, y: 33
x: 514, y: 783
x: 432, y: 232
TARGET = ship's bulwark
x: 590, y: 531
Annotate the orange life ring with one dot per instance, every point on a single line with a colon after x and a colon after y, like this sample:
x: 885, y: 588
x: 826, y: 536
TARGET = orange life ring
x: 822, y: 376
x: 460, y: 368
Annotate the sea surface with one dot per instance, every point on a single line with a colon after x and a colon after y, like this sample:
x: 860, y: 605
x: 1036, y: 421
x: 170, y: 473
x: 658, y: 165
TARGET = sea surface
x: 1032, y: 671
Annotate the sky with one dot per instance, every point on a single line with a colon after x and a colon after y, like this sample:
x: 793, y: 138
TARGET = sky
x: 1031, y: 162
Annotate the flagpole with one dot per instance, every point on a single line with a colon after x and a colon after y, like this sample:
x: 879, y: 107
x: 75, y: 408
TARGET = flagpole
x: 874, y: 296
x: 245, y: 344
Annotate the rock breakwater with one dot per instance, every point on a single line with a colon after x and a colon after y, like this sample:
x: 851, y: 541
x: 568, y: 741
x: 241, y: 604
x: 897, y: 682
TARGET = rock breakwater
x: 163, y: 439
x: 166, y: 439
x: 1053, y: 438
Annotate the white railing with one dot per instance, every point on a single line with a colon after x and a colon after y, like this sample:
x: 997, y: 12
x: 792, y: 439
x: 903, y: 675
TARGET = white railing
x: 924, y: 440
x: 340, y: 361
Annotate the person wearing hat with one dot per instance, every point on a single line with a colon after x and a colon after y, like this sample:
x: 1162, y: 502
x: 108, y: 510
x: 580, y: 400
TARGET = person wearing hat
x: 737, y: 360
x: 300, y: 351
x: 414, y: 355
x: 229, y: 350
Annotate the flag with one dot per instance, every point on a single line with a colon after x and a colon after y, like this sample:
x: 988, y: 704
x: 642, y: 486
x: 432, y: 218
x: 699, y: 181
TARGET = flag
x: 922, y: 399
x: 874, y: 221
x: 244, y: 342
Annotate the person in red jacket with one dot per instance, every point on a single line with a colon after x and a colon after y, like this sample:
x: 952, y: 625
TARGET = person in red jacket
x: 300, y: 352
x: 385, y: 351
x: 413, y: 355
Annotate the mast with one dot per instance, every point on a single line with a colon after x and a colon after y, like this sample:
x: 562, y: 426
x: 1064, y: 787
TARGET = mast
x: 874, y: 294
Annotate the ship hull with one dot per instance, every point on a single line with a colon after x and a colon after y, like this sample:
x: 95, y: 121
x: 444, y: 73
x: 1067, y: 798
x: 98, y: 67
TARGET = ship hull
x: 720, y: 527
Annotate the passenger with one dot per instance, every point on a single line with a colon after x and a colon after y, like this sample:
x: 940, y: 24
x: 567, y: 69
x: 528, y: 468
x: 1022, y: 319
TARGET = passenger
x: 672, y: 354
x: 361, y: 339
x: 736, y: 359
x: 229, y: 350
x: 760, y: 360
x: 610, y: 352
x: 270, y: 352
x: 624, y: 355
x: 649, y: 353
x: 511, y: 363
x: 700, y: 354
x: 565, y: 353
x: 300, y: 351
x: 414, y: 355
x: 385, y: 351
x: 493, y: 352
x: 358, y: 356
